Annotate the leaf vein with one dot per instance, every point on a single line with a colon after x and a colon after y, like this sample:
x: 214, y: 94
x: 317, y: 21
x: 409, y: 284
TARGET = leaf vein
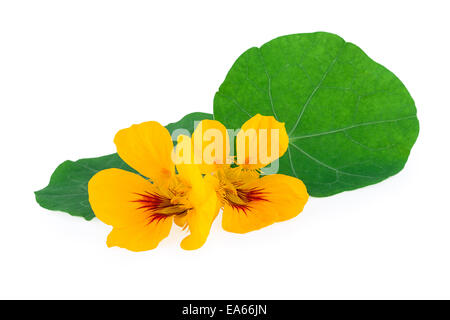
x: 235, y: 102
x: 328, y: 166
x: 327, y: 71
x: 350, y: 127
x: 269, y: 80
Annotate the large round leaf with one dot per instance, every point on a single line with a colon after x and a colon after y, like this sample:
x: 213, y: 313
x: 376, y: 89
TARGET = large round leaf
x: 351, y: 122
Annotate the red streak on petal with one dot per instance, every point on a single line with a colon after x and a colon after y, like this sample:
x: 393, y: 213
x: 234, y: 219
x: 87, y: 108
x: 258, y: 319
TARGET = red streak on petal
x: 155, y: 205
x: 247, y: 197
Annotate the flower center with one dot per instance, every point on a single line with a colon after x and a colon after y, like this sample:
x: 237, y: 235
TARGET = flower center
x: 242, y: 199
x: 164, y: 204
x: 232, y: 189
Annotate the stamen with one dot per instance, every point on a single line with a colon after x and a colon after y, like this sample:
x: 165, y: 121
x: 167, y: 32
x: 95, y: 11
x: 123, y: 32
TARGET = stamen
x: 159, y: 207
x: 242, y: 199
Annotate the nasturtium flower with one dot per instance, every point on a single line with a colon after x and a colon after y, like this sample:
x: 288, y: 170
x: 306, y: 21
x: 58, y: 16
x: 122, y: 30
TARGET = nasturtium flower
x: 141, y: 210
x: 249, y: 202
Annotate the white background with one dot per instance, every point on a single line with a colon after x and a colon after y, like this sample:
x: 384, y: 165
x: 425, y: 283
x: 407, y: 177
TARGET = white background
x: 72, y: 73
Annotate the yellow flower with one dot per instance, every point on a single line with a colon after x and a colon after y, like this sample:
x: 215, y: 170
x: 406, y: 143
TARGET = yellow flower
x: 250, y: 202
x: 261, y: 141
x: 142, y: 211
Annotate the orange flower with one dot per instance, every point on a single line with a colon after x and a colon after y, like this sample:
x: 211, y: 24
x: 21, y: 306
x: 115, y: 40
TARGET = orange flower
x: 249, y: 202
x: 142, y: 210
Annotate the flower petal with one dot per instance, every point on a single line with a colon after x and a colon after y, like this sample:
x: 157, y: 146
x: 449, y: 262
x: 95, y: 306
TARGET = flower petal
x: 204, y: 202
x: 147, y: 148
x: 180, y: 221
x: 112, y: 195
x: 199, y: 221
x: 211, y: 145
x: 262, y: 140
x: 270, y: 199
x: 140, y: 237
x: 183, y: 153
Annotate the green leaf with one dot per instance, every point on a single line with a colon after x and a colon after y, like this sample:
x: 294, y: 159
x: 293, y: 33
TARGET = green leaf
x: 67, y: 190
x: 351, y: 122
